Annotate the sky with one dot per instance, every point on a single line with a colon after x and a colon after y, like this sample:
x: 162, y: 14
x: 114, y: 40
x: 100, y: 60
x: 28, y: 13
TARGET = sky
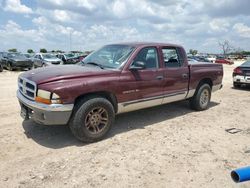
x: 90, y: 24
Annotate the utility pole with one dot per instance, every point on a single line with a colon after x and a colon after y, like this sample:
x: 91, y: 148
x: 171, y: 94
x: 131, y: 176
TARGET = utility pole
x: 70, y: 41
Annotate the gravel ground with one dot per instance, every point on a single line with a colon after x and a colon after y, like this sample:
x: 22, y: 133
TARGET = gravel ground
x: 166, y: 146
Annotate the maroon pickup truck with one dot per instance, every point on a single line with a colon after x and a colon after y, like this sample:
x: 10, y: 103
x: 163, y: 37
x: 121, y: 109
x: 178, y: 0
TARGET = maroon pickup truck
x: 115, y: 79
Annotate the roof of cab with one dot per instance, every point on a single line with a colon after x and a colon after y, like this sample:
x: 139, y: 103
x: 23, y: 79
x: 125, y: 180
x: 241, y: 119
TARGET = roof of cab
x: 144, y: 44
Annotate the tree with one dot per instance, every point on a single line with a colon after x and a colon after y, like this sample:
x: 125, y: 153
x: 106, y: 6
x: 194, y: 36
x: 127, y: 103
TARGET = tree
x: 225, y: 46
x: 59, y: 51
x: 12, y: 50
x: 30, y: 51
x: 43, y: 50
x: 193, y: 52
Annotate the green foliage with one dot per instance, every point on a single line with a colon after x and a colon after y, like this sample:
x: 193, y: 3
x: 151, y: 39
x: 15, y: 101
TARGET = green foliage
x: 43, y: 50
x: 193, y: 52
x: 59, y: 51
x: 30, y: 51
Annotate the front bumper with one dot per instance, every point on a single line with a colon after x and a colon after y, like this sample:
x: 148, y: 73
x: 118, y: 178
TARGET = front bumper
x: 22, y: 65
x: 241, y: 79
x: 53, y: 114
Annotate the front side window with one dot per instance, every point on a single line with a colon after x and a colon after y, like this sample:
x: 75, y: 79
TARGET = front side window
x: 149, y: 57
x: 171, y: 58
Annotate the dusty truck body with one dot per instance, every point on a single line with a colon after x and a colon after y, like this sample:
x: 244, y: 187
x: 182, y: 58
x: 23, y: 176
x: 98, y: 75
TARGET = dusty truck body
x: 115, y: 79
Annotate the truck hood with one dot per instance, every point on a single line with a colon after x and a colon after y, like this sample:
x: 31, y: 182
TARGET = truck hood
x: 62, y: 72
x: 19, y: 59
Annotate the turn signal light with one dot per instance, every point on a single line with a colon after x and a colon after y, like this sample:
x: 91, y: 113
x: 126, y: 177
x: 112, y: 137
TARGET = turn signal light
x: 238, y: 70
x: 42, y: 100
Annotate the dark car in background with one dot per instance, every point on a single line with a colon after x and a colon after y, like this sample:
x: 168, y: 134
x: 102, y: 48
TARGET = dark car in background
x: 13, y: 61
x: 43, y: 60
x: 68, y: 58
x: 241, y: 75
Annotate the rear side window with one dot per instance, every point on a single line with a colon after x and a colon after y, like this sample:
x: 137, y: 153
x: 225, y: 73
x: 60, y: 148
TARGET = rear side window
x: 171, y: 57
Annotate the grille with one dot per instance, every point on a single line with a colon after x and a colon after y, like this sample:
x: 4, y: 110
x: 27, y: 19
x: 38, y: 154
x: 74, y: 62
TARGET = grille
x: 27, y: 88
x: 246, y: 72
x: 56, y: 62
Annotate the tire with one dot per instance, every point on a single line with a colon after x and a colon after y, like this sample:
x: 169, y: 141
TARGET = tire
x: 92, y: 119
x: 201, y: 99
x: 236, y: 85
x: 33, y: 66
x: 9, y: 67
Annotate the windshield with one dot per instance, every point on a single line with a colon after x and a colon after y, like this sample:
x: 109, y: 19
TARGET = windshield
x: 246, y: 64
x: 11, y: 55
x: 49, y: 56
x: 27, y: 55
x: 110, y: 56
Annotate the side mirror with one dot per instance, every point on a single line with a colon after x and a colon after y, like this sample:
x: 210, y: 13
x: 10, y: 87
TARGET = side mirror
x: 138, y: 65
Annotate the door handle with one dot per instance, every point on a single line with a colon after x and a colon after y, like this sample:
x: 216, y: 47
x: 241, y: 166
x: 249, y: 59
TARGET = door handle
x: 159, y: 77
x: 184, y: 75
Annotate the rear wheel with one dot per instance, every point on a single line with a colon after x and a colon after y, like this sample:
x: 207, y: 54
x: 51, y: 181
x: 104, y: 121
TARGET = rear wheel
x: 92, y: 119
x: 33, y: 66
x: 201, y: 98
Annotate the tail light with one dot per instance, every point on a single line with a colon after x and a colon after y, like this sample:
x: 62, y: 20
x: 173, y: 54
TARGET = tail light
x: 238, y: 70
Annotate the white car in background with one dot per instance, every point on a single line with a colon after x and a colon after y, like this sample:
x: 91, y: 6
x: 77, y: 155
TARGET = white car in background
x: 43, y: 60
x: 211, y: 58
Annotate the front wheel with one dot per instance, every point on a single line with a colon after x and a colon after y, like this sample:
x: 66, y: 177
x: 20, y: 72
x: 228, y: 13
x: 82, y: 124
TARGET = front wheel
x: 92, y: 119
x: 201, y: 98
x: 236, y: 85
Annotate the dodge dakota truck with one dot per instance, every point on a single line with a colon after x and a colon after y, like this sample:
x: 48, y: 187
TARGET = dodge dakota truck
x: 115, y: 79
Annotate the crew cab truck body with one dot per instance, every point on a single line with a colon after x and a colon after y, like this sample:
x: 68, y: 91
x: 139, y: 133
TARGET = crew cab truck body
x: 115, y: 79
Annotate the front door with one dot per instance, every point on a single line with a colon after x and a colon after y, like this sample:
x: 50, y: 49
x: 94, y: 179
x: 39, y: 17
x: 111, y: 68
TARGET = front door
x: 147, y: 83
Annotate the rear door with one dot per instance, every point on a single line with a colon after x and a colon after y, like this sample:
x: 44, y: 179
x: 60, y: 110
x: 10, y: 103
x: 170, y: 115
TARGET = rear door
x: 176, y: 73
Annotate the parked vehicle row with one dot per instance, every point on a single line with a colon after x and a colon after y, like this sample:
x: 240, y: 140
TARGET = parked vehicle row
x: 212, y: 59
x: 11, y: 61
x: 223, y: 60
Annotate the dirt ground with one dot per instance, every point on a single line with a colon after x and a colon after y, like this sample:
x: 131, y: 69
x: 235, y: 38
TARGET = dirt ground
x: 166, y: 146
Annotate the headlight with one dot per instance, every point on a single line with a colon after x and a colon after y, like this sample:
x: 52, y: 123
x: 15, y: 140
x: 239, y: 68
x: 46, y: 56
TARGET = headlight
x: 44, y: 94
x: 47, y: 97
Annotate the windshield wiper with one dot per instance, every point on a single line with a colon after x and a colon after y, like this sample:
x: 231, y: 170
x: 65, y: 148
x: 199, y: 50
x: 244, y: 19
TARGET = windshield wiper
x: 96, y: 64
